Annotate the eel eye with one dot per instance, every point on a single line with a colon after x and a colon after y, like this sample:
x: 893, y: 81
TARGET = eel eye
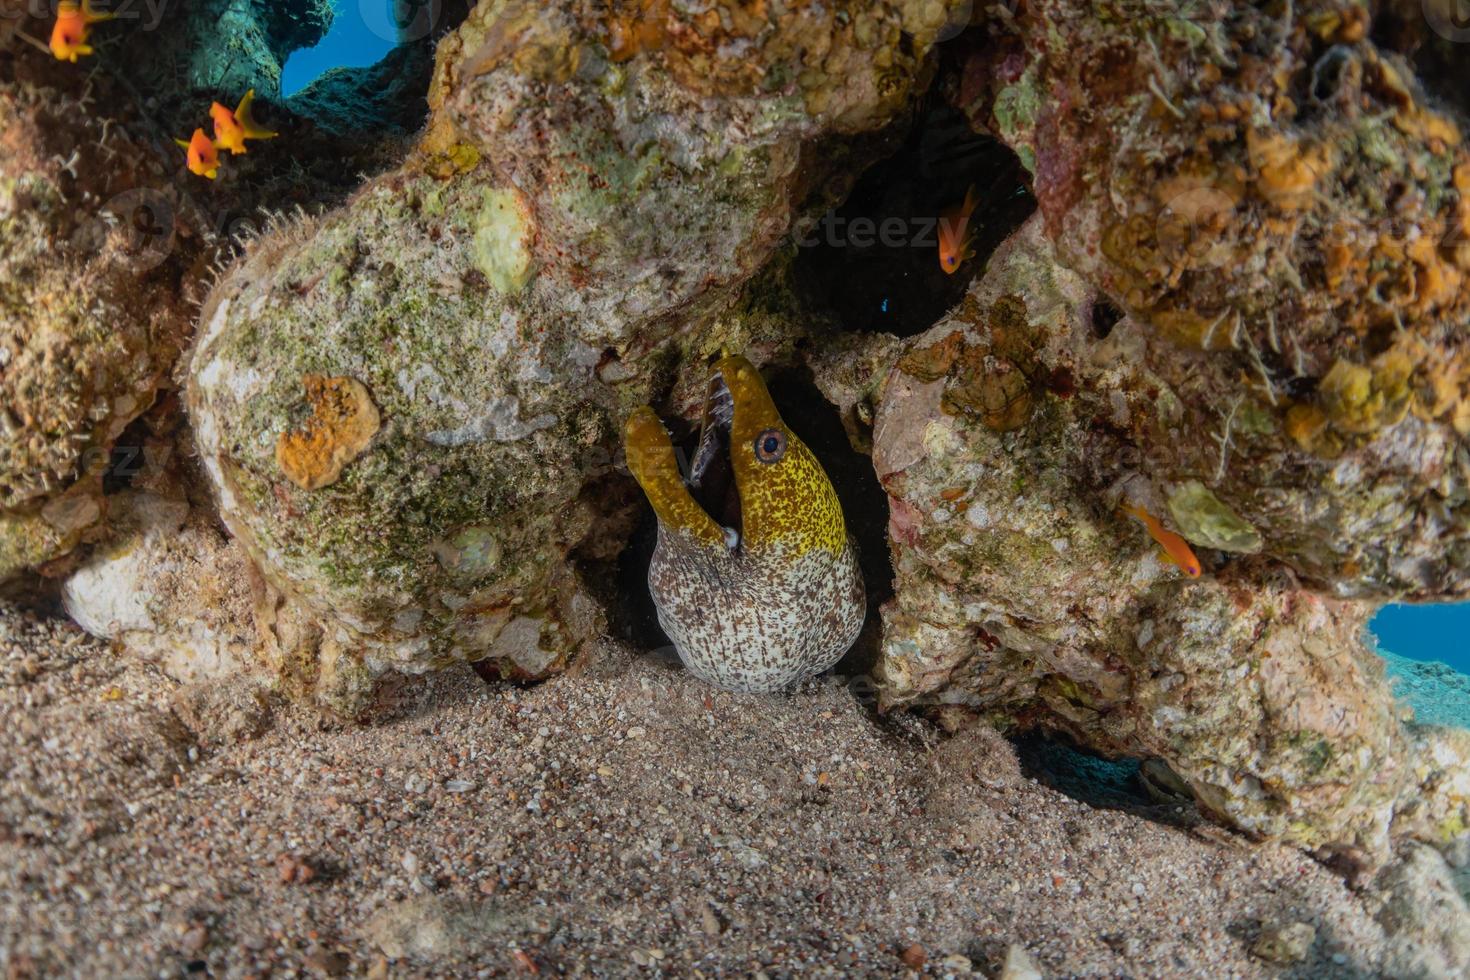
x: 770, y: 446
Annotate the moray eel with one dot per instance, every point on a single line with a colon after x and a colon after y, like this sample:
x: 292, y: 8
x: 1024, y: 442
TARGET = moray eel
x: 757, y: 580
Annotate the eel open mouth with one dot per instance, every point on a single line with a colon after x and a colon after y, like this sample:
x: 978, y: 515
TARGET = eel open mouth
x: 712, y: 473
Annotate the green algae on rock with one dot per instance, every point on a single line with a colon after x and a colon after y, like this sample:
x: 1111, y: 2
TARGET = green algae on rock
x: 90, y: 316
x: 1273, y: 191
x: 1203, y: 519
x: 1024, y: 596
x: 573, y: 224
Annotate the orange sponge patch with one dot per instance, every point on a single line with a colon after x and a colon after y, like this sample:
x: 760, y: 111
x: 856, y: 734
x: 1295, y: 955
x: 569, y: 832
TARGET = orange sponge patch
x: 343, y: 421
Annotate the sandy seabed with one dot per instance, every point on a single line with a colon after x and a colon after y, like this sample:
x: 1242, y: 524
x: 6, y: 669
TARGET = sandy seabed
x: 622, y: 820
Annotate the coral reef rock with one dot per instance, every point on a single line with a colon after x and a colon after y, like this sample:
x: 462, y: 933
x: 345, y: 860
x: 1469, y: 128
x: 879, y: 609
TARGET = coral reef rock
x: 1240, y: 306
x: 1004, y: 439
x: 1280, y: 200
x: 406, y: 407
x: 170, y: 587
x: 90, y: 313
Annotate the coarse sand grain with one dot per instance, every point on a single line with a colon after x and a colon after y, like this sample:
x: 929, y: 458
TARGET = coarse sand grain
x: 622, y: 820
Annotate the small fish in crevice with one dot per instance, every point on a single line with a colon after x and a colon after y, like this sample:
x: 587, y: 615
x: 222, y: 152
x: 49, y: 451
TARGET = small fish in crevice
x: 1175, y: 549
x: 231, y: 130
x: 202, y: 154
x: 955, y: 236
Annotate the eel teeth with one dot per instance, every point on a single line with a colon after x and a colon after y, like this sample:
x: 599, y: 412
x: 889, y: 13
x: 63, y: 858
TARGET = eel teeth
x: 719, y: 405
x: 719, y: 415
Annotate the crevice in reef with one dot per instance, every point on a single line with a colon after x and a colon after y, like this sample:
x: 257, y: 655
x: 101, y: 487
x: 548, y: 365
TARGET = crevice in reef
x: 350, y: 122
x: 1431, y: 34
x: 125, y: 459
x: 1112, y: 784
x: 873, y: 262
x: 864, y: 506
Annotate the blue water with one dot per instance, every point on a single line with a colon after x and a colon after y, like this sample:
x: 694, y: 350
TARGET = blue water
x: 1427, y: 652
x: 1439, y: 631
x: 362, y: 32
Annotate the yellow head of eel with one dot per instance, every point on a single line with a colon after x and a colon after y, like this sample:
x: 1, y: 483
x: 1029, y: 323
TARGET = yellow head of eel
x: 770, y: 592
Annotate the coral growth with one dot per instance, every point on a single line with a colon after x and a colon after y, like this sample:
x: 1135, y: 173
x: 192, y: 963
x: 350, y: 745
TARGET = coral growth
x: 1280, y: 200
x: 574, y: 233
x: 90, y: 312
x: 1024, y: 594
x: 1241, y: 308
x: 342, y: 422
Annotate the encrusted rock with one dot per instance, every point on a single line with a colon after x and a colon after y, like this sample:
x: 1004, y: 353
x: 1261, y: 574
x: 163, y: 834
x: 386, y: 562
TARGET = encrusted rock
x: 1023, y: 593
x: 1425, y: 916
x: 1285, y: 207
x: 90, y: 319
x: 434, y: 927
x: 574, y: 233
x: 1285, y: 944
x: 170, y: 587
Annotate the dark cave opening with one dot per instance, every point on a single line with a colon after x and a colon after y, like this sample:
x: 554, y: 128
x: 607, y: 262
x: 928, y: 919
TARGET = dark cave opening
x: 1105, y: 317
x: 864, y: 505
x: 874, y: 262
x: 1145, y: 788
x: 1431, y: 35
x: 125, y: 458
x: 168, y: 67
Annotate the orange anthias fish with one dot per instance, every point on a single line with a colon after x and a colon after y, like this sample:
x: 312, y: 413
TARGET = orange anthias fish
x: 1175, y: 548
x: 954, y: 237
x: 203, y: 154
x: 232, y: 129
x: 73, y: 25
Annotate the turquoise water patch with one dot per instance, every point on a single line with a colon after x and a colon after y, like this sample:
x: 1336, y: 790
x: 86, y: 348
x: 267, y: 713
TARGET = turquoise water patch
x: 1433, y: 631
x: 1081, y: 775
x: 1439, y: 694
x: 362, y: 32
x: 1427, y: 652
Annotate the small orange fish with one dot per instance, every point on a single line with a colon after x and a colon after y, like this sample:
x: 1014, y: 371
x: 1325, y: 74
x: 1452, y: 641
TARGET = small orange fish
x: 73, y: 25
x: 954, y: 237
x: 203, y: 155
x: 1175, y: 548
x: 232, y: 129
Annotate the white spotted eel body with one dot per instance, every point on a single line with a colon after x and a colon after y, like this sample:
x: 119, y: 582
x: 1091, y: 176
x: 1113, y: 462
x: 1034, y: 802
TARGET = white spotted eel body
x: 775, y: 600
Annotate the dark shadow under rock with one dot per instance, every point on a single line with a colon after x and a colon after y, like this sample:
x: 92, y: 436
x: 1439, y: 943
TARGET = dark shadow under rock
x: 1113, y: 784
x: 873, y: 262
x: 864, y: 507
